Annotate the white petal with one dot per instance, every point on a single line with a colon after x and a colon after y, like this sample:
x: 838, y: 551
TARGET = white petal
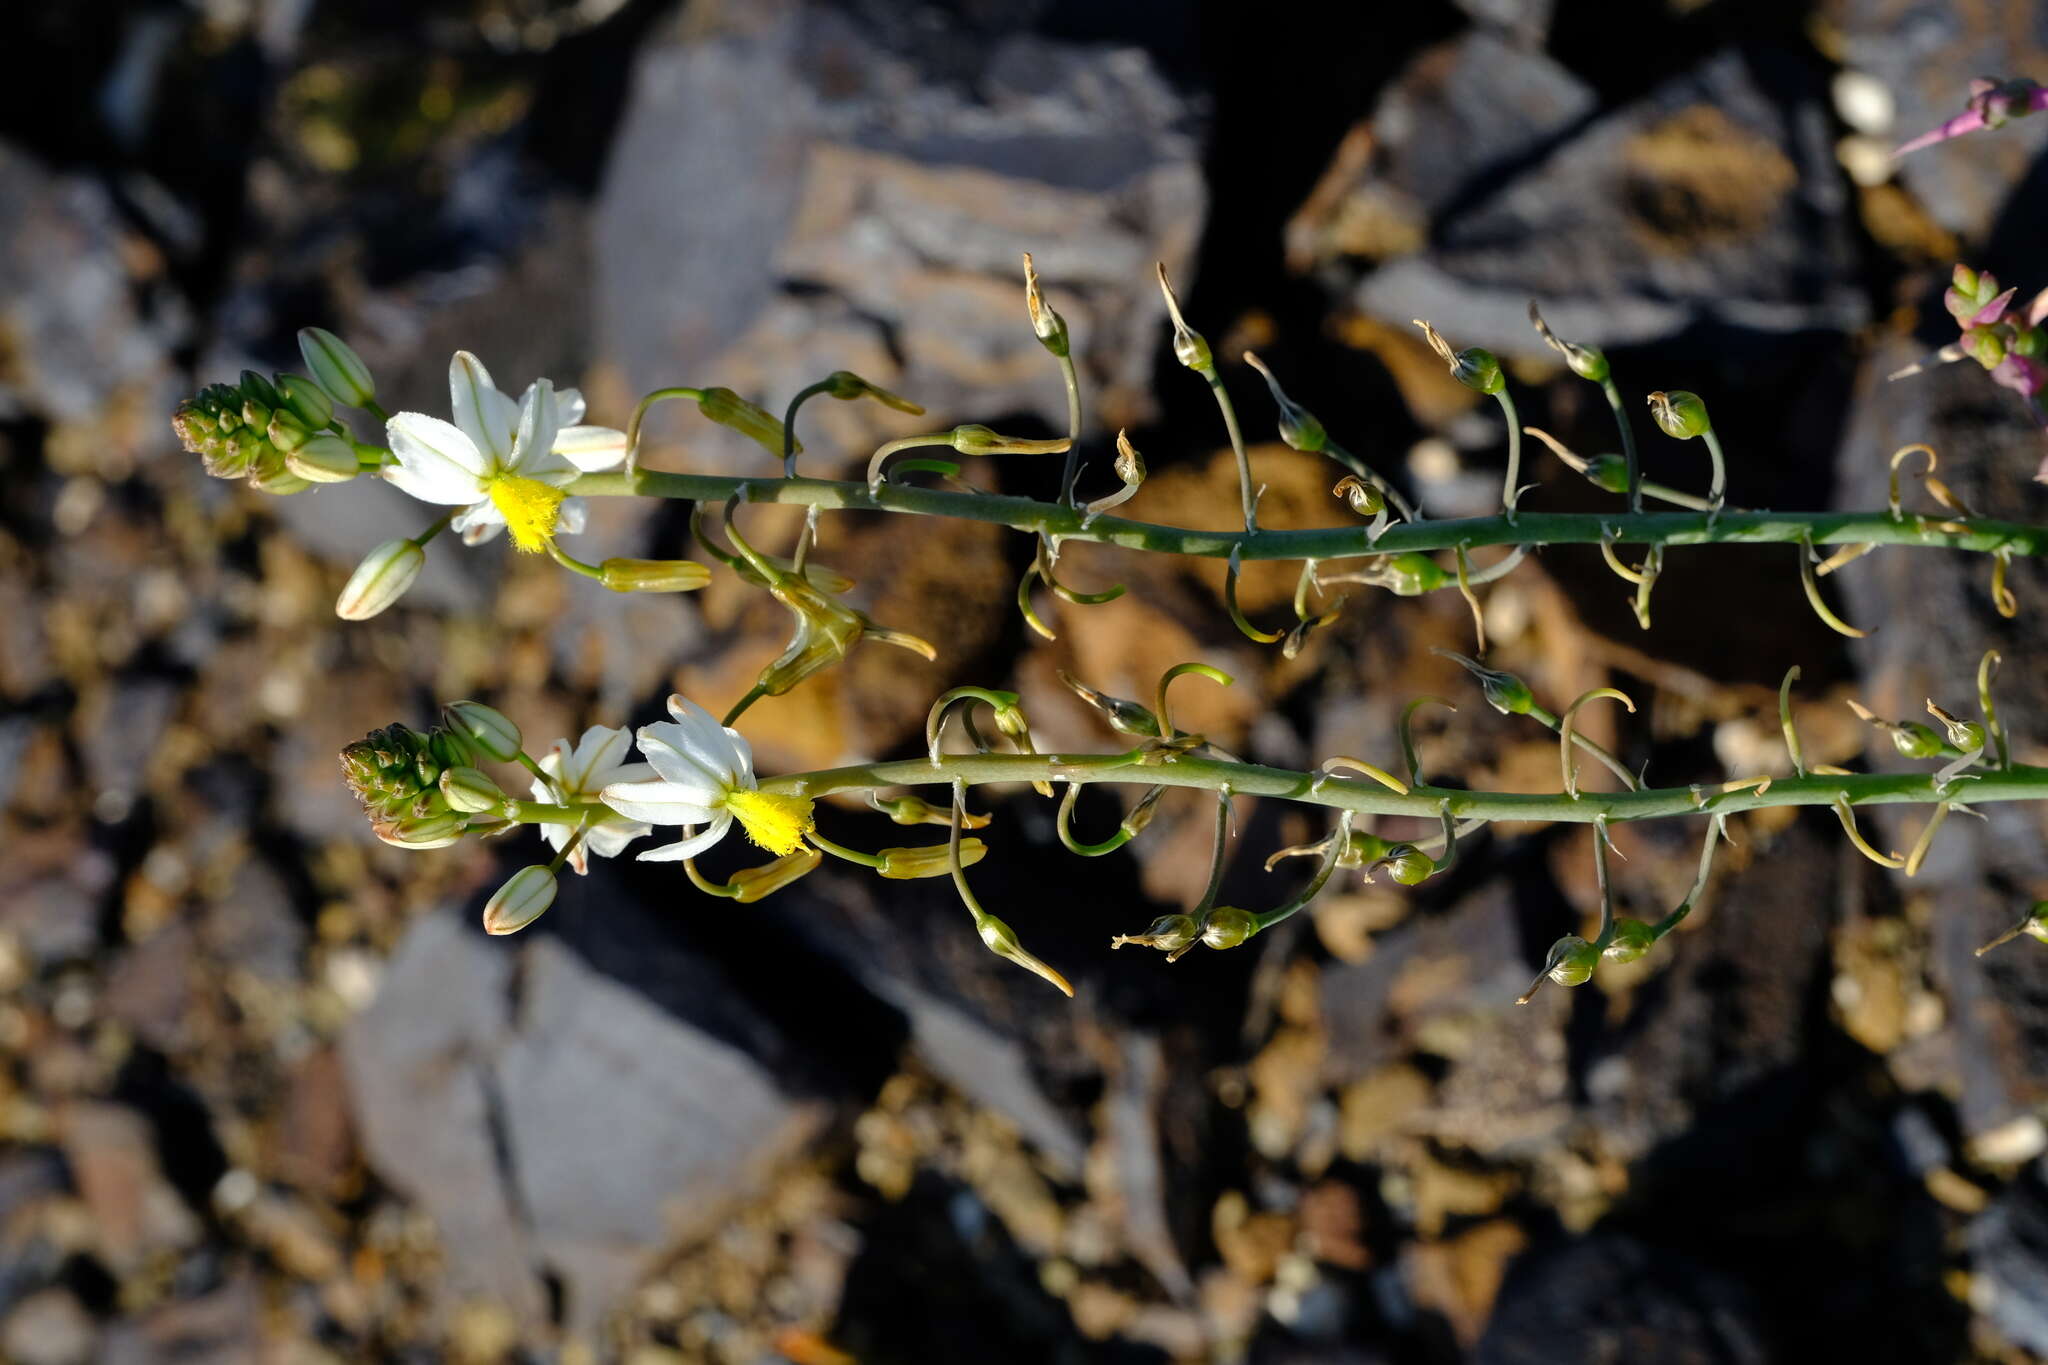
x: 533, y: 446
x: 591, y: 448
x: 681, y: 756
x: 712, y: 741
x: 610, y: 840
x: 572, y: 517
x: 484, y: 414
x: 659, y: 803
x: 744, y: 752
x: 602, y: 747
x: 436, y: 462
x: 570, y: 401
x: 690, y: 847
x: 625, y: 772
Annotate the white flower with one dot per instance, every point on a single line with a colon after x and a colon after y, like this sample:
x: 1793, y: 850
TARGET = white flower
x: 596, y: 761
x: 706, y: 777
x: 502, y: 462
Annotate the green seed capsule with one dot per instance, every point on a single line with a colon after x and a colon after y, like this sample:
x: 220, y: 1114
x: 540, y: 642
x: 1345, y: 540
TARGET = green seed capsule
x: 1632, y: 938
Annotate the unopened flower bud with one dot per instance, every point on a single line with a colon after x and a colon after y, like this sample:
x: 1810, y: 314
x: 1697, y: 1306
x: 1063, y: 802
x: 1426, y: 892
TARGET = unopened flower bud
x: 931, y: 860
x: 728, y: 409
x: 1679, y: 414
x: 1985, y: 345
x: 1475, y: 367
x: 278, y: 482
x: 381, y: 579
x: 325, y: 458
x: 305, y: 400
x: 1129, y: 464
x: 1001, y: 940
x: 1170, y: 934
x: 336, y: 368
x: 485, y: 728
x: 1226, y: 927
x: 751, y: 884
x: 972, y: 438
x: 471, y: 791
x: 525, y: 895
x: 653, y: 575
x: 420, y: 832
x: 1632, y: 938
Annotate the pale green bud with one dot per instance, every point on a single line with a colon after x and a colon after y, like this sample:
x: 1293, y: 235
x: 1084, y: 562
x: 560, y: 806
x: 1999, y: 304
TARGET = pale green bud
x: 751, y: 884
x: 728, y: 409
x: 322, y: 459
x: 336, y: 368
x: 471, y: 791
x: 306, y: 400
x: 487, y: 729
x: 523, y: 898
x: 1226, y: 927
x: 931, y: 860
x: 381, y: 579
x: 654, y: 575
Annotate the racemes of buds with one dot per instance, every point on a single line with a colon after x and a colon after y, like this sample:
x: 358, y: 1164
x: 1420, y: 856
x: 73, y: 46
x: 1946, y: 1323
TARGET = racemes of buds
x: 395, y: 773
x: 251, y: 429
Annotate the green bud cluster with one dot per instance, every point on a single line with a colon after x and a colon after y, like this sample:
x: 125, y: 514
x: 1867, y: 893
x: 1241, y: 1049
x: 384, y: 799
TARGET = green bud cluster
x: 396, y: 774
x: 269, y: 431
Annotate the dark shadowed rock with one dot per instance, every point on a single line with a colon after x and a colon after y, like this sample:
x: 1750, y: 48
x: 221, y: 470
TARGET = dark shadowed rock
x: 1714, y: 197
x: 1610, y: 1297
x: 854, y: 212
x: 553, y: 1121
x: 2009, y: 1251
x: 1936, y: 619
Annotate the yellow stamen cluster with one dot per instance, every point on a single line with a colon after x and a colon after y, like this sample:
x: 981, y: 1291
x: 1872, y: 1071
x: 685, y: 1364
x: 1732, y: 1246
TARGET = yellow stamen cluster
x: 530, y: 508
x: 775, y: 822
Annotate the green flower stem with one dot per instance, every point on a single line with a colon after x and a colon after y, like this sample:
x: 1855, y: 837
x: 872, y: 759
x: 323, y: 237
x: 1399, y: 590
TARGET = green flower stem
x: 1246, y: 493
x: 2017, y: 783
x: 841, y: 851
x: 545, y: 813
x: 1981, y: 535
x: 1628, y: 445
x: 789, y: 424
x: 1073, y: 462
x: 1510, y: 492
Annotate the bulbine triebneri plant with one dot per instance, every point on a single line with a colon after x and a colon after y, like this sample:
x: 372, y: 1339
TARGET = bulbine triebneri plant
x: 524, y: 465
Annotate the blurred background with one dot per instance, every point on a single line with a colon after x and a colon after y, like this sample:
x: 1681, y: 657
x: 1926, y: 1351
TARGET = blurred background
x: 270, y: 1095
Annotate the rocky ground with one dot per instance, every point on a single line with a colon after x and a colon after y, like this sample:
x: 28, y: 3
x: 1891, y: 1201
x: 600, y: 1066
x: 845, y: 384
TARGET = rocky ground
x: 270, y: 1095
